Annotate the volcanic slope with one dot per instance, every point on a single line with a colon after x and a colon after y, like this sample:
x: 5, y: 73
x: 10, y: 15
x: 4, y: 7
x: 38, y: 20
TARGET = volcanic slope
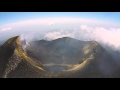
x: 89, y: 59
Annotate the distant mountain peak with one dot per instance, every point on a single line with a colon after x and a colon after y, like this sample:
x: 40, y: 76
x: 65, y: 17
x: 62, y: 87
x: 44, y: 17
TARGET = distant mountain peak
x: 65, y: 38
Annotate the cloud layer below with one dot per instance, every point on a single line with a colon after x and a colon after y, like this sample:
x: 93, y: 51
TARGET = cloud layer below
x: 53, y: 28
x: 110, y: 36
x: 6, y: 29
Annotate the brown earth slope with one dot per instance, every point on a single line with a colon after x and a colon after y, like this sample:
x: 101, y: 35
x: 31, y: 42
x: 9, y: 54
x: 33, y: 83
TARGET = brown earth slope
x: 87, y: 59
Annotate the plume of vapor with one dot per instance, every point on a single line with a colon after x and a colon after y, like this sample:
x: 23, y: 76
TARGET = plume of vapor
x: 28, y: 36
x: 25, y: 39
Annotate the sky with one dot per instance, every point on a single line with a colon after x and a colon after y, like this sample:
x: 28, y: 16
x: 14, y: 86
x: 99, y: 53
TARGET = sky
x: 100, y: 26
x: 10, y: 17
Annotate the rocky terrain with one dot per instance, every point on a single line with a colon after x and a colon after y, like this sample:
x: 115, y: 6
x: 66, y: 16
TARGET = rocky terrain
x: 60, y: 58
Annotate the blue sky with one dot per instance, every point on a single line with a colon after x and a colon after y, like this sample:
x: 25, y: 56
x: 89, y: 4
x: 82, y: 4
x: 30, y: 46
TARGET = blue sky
x: 99, y: 26
x: 11, y: 17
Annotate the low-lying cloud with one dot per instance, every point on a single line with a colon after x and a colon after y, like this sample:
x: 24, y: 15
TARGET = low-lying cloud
x: 106, y: 35
x: 110, y: 36
x: 6, y: 29
x: 57, y: 34
x: 53, y: 28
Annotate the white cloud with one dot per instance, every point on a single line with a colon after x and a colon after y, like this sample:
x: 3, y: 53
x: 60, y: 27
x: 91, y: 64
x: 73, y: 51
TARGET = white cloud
x: 6, y: 29
x: 110, y: 36
x: 81, y: 28
x: 51, y: 21
x: 57, y: 34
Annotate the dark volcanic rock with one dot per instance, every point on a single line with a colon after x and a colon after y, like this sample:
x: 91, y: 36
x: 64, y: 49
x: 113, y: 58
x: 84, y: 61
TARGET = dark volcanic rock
x: 70, y: 58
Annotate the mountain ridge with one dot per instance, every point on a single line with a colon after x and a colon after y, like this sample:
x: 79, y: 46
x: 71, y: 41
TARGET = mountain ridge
x: 19, y: 63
